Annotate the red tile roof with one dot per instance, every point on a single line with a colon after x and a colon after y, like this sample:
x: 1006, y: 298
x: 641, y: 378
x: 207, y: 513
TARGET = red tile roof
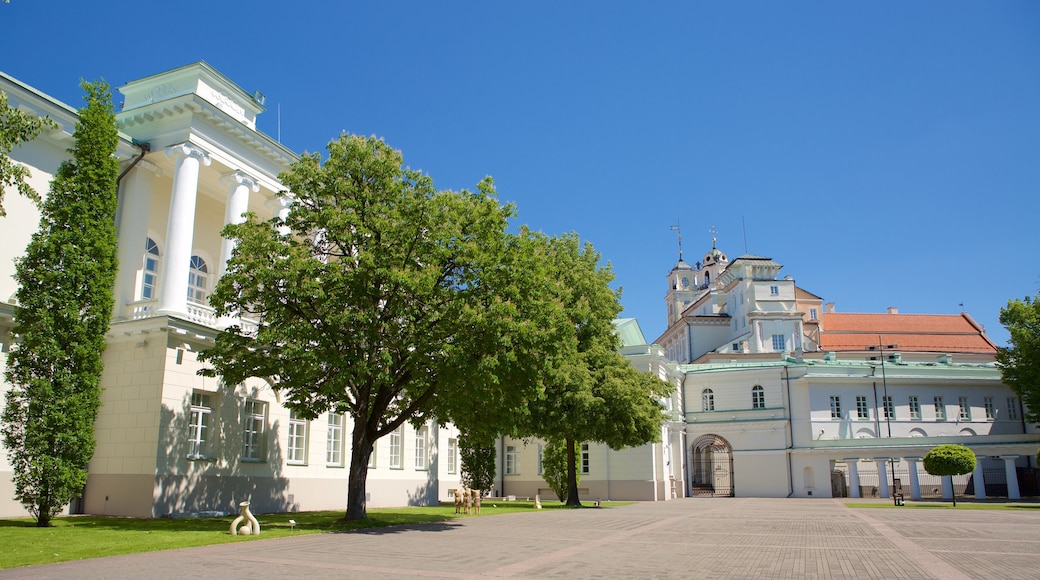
x: 941, y: 333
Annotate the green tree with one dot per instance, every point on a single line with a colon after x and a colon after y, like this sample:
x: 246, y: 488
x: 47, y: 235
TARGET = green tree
x: 554, y: 466
x: 65, y: 305
x: 1019, y: 363
x: 383, y: 298
x: 478, y: 462
x: 949, y: 460
x: 17, y: 127
x: 590, y: 392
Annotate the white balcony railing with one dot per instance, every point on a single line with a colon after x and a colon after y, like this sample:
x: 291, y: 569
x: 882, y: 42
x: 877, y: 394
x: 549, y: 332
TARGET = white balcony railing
x: 197, y: 313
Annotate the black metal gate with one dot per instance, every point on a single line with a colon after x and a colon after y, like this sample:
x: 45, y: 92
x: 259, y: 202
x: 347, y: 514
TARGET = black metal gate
x: 712, y: 467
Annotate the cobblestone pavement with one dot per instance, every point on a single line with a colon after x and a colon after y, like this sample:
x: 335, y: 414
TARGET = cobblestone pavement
x: 704, y: 538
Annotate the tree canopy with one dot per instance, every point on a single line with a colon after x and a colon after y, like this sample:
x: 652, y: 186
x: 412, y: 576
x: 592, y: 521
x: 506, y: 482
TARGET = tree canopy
x: 17, y: 127
x: 949, y: 460
x: 385, y: 299
x: 65, y: 300
x: 1019, y: 363
x: 591, y: 392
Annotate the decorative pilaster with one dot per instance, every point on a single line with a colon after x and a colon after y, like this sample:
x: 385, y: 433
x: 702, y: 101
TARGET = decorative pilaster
x: 133, y: 231
x: 979, y: 480
x: 237, y: 205
x: 180, y: 228
x: 1012, y: 476
x: 915, y: 480
x: 882, y: 473
x: 853, y: 464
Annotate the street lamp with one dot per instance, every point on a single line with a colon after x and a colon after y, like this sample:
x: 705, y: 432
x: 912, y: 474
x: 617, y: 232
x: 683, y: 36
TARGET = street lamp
x: 886, y: 404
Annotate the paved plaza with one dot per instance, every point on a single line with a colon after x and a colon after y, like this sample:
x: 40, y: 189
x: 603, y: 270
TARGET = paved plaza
x: 689, y: 538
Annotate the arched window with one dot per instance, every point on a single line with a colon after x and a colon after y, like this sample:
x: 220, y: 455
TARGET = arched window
x: 198, y: 275
x: 150, y: 279
x: 758, y: 397
x: 707, y: 400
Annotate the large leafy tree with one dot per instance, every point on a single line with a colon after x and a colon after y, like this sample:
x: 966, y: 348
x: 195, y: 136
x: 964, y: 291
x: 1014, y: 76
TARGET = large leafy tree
x: 949, y: 460
x: 17, y: 127
x: 385, y: 299
x: 65, y: 297
x: 1020, y: 362
x: 554, y: 466
x: 591, y: 392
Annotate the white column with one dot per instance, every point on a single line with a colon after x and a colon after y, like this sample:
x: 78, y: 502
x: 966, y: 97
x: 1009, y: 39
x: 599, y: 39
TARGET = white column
x: 281, y: 205
x: 1012, y: 476
x: 853, y: 464
x: 882, y: 473
x: 915, y: 481
x: 133, y: 231
x: 180, y: 229
x: 979, y: 481
x: 237, y: 205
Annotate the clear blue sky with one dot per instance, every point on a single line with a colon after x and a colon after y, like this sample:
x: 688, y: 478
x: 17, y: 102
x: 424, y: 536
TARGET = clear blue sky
x: 887, y: 153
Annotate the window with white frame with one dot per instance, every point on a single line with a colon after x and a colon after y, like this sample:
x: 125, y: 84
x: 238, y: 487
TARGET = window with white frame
x: 254, y: 431
x: 150, y: 273
x: 835, y: 407
x: 199, y: 424
x: 862, y: 411
x: 915, y: 407
x: 421, y: 435
x: 707, y: 400
x: 453, y: 455
x: 774, y: 290
x: 1012, y: 407
x: 779, y: 342
x: 396, y: 457
x: 296, y: 449
x: 890, y: 409
x: 334, y: 441
x: 965, y: 409
x: 512, y: 460
x: 758, y: 397
x: 812, y: 314
x: 991, y: 409
x: 585, y: 458
x: 198, y: 276
x: 940, y: 408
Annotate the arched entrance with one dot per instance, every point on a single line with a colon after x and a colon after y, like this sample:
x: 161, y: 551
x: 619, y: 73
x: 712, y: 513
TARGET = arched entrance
x: 711, y: 471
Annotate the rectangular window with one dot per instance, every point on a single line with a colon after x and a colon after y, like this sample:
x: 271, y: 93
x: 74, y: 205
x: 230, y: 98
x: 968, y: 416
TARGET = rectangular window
x: 991, y: 410
x: 862, y: 411
x: 541, y: 451
x: 835, y: 407
x: 254, y: 431
x: 585, y: 458
x: 395, y: 448
x: 296, y: 450
x: 774, y: 290
x: 890, y: 409
x: 512, y: 458
x: 334, y: 443
x: 758, y: 397
x: 940, y: 409
x: 1012, y: 406
x: 199, y: 423
x: 736, y: 346
x: 420, y: 448
x: 779, y: 343
x: 915, y: 407
x: 965, y: 412
x: 812, y: 314
x: 453, y: 455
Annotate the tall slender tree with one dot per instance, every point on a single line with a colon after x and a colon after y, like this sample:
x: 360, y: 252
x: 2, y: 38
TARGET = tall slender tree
x: 17, y: 127
x: 65, y: 305
x: 385, y: 299
x: 1019, y: 362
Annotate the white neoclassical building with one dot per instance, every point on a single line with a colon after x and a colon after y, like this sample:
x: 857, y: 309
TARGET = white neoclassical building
x: 168, y: 440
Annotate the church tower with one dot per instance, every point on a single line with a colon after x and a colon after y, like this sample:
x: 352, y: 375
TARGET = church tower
x: 687, y: 283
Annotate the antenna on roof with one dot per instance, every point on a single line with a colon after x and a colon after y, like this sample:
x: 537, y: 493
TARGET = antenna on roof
x: 279, y: 122
x: 744, y: 226
x: 675, y: 228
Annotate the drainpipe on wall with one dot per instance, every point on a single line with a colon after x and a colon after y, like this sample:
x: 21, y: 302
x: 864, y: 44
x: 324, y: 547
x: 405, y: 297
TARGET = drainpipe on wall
x: 790, y: 433
x: 145, y: 149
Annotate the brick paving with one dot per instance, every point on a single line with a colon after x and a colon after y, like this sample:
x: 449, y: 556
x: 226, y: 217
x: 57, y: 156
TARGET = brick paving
x: 704, y: 538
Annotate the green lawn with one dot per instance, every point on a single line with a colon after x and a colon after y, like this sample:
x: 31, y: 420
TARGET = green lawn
x: 79, y: 537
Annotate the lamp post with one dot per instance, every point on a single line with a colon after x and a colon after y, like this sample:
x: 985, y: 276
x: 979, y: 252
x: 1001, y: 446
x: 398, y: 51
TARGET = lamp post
x: 887, y: 406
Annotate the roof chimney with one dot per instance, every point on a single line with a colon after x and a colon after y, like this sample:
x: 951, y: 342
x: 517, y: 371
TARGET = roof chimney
x: 829, y: 307
x: 893, y: 310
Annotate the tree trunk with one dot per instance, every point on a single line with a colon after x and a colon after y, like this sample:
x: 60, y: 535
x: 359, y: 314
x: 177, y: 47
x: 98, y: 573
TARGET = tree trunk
x: 572, y: 476
x: 360, y: 452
